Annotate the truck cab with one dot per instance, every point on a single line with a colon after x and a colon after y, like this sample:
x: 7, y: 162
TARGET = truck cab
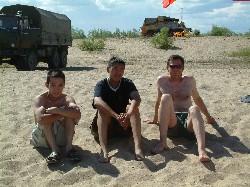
x: 29, y: 35
x: 15, y: 32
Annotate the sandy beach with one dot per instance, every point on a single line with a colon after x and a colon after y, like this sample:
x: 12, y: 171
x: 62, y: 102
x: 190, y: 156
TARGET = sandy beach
x: 221, y: 82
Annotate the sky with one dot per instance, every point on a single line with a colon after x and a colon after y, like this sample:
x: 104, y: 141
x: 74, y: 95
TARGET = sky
x: 127, y: 15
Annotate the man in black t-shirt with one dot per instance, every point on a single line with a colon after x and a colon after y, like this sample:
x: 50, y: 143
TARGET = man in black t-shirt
x: 115, y: 115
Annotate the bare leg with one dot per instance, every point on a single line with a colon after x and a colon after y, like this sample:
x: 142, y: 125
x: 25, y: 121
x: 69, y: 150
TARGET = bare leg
x: 135, y: 121
x: 70, y: 131
x: 48, y: 130
x: 196, y: 124
x: 167, y: 119
x: 102, y: 123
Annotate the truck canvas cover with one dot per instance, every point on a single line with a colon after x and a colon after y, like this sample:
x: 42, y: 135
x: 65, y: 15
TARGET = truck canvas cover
x: 50, y: 23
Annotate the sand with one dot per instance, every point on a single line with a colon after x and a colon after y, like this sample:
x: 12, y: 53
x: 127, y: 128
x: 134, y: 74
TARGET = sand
x: 221, y: 81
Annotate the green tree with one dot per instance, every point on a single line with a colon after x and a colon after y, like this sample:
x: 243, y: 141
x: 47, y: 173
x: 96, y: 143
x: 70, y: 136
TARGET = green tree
x: 247, y: 33
x: 100, y: 33
x: 162, y: 40
x: 77, y: 33
x: 220, y: 31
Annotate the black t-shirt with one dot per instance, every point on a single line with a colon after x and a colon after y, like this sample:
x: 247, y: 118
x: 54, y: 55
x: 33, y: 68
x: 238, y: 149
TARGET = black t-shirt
x: 116, y: 100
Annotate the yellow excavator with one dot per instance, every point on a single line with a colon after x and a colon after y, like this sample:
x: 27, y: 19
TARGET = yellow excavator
x: 152, y: 26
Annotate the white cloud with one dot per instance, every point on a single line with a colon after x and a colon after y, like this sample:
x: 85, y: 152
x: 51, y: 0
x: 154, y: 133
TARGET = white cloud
x: 101, y: 5
x: 105, y: 5
x: 46, y: 2
x: 18, y: 1
x: 234, y: 10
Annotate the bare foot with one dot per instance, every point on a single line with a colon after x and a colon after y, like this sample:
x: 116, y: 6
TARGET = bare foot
x: 159, y: 148
x: 203, y: 157
x: 139, y: 155
x: 104, y: 158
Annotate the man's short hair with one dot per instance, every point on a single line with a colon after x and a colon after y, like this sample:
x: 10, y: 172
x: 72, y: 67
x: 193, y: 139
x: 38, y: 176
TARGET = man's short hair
x: 114, y: 60
x: 55, y: 73
x: 175, y: 57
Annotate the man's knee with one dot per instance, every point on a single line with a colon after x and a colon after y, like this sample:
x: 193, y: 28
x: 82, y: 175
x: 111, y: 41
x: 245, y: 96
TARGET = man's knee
x: 194, y: 113
x: 166, y: 98
x: 103, y: 118
x: 194, y: 109
x: 136, y: 111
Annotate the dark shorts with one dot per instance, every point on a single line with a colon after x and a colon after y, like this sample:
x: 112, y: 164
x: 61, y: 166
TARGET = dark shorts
x: 180, y: 130
x: 114, y: 129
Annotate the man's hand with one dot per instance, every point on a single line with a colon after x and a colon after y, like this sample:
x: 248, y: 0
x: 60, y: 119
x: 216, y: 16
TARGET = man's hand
x: 52, y: 110
x: 151, y: 121
x: 210, y: 120
x: 124, y: 120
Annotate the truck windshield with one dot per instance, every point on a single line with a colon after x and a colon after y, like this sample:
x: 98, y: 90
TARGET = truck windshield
x: 8, y: 23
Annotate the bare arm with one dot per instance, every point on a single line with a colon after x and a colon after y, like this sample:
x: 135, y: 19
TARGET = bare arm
x: 47, y: 116
x: 103, y: 106
x: 40, y: 113
x: 157, y: 103
x: 70, y: 111
x: 135, y: 103
x: 200, y: 103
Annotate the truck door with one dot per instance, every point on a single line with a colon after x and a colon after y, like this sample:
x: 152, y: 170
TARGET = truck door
x: 29, y: 36
x: 9, y: 32
x: 25, y: 40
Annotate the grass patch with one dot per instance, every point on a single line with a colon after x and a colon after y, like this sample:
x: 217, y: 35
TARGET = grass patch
x: 243, y: 52
x: 91, y: 44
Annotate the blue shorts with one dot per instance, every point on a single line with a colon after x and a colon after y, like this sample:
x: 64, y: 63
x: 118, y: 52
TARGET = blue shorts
x: 180, y: 130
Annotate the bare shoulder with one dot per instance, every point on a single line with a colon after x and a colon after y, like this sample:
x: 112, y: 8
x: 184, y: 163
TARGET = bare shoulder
x: 40, y: 98
x: 162, y: 78
x: 189, y: 78
x: 40, y: 102
x: 69, y: 99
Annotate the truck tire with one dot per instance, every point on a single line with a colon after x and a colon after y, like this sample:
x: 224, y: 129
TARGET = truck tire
x: 28, y: 63
x: 17, y: 62
x: 63, y: 59
x: 54, y: 60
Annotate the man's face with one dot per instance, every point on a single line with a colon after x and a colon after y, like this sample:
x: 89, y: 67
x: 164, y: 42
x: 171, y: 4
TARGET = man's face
x: 55, y: 87
x: 175, y: 67
x: 116, y: 71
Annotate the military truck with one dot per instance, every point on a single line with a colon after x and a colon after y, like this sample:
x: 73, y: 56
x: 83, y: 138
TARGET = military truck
x: 29, y: 35
x: 152, y: 26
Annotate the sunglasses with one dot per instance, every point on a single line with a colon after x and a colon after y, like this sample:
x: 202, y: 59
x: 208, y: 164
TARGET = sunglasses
x: 179, y: 66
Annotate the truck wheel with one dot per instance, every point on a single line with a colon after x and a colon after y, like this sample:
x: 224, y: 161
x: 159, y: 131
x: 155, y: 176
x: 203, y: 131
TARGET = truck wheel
x: 29, y: 62
x: 63, y: 59
x: 54, y: 61
x: 17, y: 62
